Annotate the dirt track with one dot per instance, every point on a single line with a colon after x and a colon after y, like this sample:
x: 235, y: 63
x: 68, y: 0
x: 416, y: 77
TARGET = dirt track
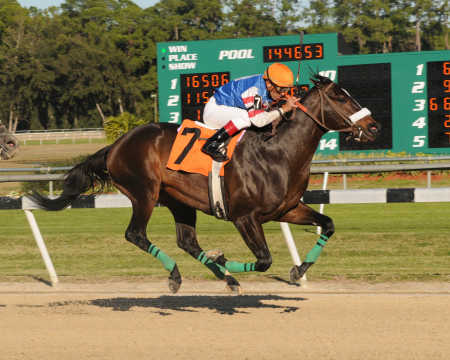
x: 270, y: 321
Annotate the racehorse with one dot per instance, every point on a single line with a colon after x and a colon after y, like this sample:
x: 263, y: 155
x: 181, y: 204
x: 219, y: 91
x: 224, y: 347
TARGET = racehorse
x: 264, y: 181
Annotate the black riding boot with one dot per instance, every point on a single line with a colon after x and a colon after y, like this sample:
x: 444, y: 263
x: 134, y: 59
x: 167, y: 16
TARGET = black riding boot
x: 215, y: 145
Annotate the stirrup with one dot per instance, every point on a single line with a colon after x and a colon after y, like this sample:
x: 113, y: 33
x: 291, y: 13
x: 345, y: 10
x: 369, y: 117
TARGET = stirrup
x: 218, y: 153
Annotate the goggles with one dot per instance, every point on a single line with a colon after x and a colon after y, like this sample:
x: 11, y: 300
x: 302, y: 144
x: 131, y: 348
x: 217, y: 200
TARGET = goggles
x: 279, y: 89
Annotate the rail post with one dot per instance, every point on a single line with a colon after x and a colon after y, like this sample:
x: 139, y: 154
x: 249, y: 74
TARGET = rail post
x: 42, y: 248
x: 291, y: 245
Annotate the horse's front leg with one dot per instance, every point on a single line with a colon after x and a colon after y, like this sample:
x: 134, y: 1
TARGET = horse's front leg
x: 304, y: 215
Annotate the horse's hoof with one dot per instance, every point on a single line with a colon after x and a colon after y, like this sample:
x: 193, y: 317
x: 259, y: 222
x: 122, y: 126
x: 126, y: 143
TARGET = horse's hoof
x: 174, y: 280
x: 294, y: 274
x: 297, y: 272
x: 174, y: 286
x: 303, y: 268
x: 233, y: 285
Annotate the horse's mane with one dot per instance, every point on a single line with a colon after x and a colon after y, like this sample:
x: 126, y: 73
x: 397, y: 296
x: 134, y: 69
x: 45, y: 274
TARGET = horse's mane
x: 318, y: 81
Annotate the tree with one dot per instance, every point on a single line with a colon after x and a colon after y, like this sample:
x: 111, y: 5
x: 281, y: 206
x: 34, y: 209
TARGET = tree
x: 366, y: 24
x: 392, y: 25
x: 88, y: 60
x: 12, y: 27
x: 320, y: 16
x: 116, y: 126
x: 248, y: 18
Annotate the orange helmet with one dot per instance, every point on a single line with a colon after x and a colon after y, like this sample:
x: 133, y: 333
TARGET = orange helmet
x: 280, y: 75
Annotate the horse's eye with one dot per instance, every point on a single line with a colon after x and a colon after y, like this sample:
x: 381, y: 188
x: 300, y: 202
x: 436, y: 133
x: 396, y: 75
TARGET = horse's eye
x: 341, y: 98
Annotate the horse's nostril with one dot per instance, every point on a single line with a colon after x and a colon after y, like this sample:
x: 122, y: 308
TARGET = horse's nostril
x: 374, y: 128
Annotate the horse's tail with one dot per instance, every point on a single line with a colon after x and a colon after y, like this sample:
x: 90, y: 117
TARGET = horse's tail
x: 78, y: 180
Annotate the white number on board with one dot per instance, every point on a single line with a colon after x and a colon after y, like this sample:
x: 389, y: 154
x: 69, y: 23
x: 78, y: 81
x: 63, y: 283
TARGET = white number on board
x: 419, y: 105
x: 419, y: 141
x: 331, y: 74
x: 173, y: 100
x: 420, y: 122
x: 174, y: 116
x: 330, y: 144
x: 419, y: 68
x: 418, y: 87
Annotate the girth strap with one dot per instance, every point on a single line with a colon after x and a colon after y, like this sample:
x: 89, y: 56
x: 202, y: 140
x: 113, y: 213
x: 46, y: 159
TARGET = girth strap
x: 216, y: 192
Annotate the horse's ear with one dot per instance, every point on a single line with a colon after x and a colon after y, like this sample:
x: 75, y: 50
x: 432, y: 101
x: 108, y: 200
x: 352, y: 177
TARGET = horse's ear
x: 319, y: 80
x: 315, y: 80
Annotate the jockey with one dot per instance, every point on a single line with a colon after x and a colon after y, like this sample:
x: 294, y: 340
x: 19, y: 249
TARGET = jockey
x: 243, y: 102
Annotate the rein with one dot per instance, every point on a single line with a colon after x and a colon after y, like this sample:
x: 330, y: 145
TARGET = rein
x: 356, y: 130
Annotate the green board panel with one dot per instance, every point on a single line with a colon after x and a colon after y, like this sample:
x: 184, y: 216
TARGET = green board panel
x: 409, y: 93
x: 411, y: 119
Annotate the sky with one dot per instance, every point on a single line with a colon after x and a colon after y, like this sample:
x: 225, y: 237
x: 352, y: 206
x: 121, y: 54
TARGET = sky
x: 44, y: 4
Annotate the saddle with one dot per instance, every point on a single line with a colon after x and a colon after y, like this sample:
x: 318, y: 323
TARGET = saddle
x: 186, y: 155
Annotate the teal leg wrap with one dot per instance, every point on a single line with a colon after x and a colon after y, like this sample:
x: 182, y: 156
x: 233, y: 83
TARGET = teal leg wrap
x: 317, y: 249
x: 217, y: 269
x: 167, y: 262
x: 237, y: 267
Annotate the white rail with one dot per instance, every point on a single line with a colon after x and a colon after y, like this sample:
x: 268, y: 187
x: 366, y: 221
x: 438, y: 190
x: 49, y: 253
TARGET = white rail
x: 350, y: 196
x: 60, y: 136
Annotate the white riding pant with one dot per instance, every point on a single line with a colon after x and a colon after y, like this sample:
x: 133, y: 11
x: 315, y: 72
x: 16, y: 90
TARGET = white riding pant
x: 216, y: 116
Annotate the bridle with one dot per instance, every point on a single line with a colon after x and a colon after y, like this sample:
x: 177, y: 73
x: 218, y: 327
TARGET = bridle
x: 356, y: 131
x: 3, y: 151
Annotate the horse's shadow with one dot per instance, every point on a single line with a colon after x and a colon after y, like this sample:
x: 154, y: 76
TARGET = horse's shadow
x: 228, y: 305
x: 221, y: 304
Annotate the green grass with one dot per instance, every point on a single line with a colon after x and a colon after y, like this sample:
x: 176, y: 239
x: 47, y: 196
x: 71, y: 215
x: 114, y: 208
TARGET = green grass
x: 374, y: 242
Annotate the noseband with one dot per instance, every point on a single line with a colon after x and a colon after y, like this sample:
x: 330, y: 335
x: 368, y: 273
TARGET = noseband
x: 356, y: 131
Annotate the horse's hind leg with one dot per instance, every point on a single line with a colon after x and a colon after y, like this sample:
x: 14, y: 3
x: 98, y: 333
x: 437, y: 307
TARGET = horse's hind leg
x: 185, y: 220
x: 143, y: 204
x: 253, y: 235
x: 304, y: 215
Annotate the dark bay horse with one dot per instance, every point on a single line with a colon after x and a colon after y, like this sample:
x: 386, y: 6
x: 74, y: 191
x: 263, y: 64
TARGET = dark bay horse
x: 264, y: 181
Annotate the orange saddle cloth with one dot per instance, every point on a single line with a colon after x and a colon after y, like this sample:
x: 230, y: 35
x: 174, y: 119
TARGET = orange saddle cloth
x: 186, y: 154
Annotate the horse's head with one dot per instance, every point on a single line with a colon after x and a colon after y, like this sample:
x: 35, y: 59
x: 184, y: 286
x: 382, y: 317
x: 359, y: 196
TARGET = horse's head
x: 337, y: 110
x: 9, y: 145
